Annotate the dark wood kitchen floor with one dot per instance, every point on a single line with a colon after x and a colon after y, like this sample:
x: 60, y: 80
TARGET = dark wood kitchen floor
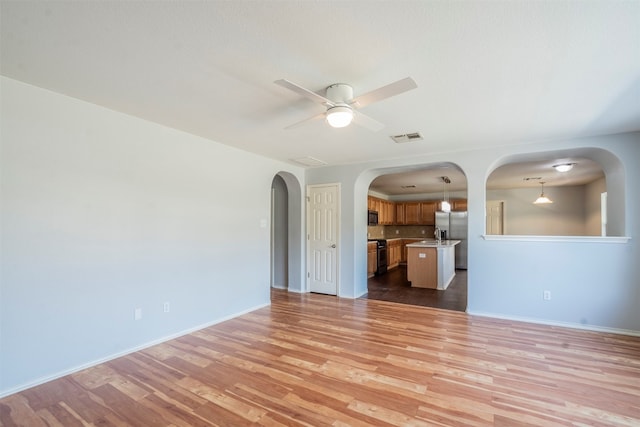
x: 393, y: 286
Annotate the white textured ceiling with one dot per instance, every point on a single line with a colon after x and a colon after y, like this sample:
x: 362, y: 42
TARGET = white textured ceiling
x: 489, y: 73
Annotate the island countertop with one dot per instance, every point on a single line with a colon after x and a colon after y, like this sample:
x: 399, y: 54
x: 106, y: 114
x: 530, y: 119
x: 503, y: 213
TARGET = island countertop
x: 433, y: 244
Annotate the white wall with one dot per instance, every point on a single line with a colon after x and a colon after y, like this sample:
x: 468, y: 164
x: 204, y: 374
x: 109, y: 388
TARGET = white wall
x: 593, y: 284
x: 564, y: 217
x: 593, y: 213
x: 103, y: 213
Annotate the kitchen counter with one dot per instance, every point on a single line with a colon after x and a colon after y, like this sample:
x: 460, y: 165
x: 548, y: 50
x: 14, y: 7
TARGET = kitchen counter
x: 431, y: 264
x: 433, y: 244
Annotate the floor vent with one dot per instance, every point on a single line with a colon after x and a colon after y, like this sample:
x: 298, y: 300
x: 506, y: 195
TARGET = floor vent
x: 407, y: 137
x: 309, y: 161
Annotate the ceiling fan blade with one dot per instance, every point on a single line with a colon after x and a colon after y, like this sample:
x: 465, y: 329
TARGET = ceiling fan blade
x: 384, y: 92
x: 366, y: 121
x: 308, y: 119
x: 304, y: 92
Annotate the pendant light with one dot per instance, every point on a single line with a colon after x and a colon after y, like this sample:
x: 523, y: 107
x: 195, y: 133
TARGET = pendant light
x: 542, y: 199
x: 445, y: 206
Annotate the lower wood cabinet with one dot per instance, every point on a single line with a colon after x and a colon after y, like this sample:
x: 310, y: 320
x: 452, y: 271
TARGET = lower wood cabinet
x: 394, y: 252
x: 372, y: 259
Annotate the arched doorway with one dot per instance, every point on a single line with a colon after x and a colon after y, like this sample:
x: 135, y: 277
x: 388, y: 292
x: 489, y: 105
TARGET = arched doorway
x: 287, y: 250
x: 410, y: 204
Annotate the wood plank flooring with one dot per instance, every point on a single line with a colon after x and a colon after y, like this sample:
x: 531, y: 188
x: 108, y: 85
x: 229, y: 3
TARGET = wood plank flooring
x: 394, y: 286
x: 315, y: 360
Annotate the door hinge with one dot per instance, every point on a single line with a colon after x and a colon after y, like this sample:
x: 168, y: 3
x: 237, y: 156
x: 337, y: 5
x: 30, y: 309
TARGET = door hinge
x: 308, y: 275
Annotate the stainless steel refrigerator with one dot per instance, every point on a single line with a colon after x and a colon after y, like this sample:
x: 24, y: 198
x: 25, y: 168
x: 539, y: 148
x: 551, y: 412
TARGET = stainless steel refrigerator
x: 455, y: 224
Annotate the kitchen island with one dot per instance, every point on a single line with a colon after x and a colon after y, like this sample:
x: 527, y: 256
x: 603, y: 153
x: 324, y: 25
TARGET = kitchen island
x: 431, y: 264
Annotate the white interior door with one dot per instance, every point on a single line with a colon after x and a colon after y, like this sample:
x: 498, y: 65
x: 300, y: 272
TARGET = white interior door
x: 322, y: 237
x: 495, y: 220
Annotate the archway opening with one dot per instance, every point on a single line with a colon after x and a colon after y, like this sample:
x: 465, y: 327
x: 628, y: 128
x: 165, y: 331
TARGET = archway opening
x: 557, y: 193
x: 287, y: 250
x: 410, y: 205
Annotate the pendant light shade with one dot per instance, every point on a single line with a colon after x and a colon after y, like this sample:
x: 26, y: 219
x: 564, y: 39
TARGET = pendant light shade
x: 542, y: 199
x: 445, y: 206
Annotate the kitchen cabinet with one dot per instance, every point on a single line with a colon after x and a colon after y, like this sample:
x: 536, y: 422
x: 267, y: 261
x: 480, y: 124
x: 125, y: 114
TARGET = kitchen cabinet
x: 372, y: 261
x: 400, y: 214
x: 394, y: 252
x: 431, y: 264
x: 403, y: 248
x: 372, y: 204
x: 388, y: 212
x: 417, y: 213
x: 428, y: 212
x: 385, y: 208
x: 412, y: 213
x: 459, y: 205
x: 422, y: 267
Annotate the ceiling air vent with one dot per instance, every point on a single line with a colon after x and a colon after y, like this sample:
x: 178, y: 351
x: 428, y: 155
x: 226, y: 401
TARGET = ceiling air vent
x: 407, y: 186
x: 532, y: 178
x: 309, y: 161
x: 407, y: 137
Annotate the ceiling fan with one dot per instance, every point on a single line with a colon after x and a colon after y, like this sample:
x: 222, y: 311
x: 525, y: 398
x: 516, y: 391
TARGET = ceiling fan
x: 342, y: 106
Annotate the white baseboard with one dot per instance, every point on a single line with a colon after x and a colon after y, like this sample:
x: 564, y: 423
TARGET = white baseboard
x: 571, y: 325
x: 42, y: 380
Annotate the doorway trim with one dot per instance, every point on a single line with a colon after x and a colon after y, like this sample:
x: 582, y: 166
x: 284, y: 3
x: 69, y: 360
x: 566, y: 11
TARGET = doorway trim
x: 317, y: 263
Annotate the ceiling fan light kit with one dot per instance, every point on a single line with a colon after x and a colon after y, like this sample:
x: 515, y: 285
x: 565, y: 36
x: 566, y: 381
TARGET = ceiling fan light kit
x: 340, y: 116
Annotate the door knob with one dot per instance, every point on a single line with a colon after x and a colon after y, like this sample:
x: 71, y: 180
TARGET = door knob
x: 333, y: 246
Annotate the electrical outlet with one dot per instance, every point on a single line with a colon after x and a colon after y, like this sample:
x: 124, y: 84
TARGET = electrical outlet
x: 166, y: 307
x: 546, y: 295
x: 137, y: 314
x: 397, y: 231
x: 422, y: 231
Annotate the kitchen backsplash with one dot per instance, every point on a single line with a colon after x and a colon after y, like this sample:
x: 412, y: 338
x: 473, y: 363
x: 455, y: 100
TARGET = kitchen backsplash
x: 400, y: 231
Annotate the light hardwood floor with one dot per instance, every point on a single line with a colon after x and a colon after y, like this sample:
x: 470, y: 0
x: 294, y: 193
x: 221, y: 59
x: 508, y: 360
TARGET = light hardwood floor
x: 318, y: 360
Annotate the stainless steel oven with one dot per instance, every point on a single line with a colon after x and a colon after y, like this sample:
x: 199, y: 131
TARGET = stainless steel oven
x: 381, y: 257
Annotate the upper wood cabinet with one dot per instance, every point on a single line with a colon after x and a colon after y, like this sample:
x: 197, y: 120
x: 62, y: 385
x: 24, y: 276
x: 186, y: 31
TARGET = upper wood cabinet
x: 386, y: 210
x: 389, y: 212
x: 411, y: 213
x: 459, y: 205
x: 400, y: 218
x: 428, y: 212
